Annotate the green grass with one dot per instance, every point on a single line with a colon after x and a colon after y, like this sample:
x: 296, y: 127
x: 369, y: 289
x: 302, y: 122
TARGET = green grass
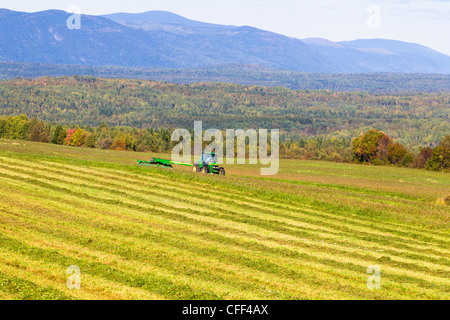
x: 309, y: 232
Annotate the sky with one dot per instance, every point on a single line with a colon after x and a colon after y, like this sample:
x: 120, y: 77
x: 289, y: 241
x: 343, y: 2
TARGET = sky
x: 426, y: 22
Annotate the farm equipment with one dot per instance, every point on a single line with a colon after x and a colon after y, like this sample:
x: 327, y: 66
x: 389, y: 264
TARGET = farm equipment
x: 161, y: 163
x: 208, y: 164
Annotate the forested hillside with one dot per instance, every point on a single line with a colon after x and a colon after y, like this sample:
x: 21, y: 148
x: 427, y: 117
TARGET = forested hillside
x: 244, y: 74
x: 415, y: 120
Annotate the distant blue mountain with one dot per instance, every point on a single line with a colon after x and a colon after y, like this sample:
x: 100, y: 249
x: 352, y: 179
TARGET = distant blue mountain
x: 166, y: 40
x: 151, y: 19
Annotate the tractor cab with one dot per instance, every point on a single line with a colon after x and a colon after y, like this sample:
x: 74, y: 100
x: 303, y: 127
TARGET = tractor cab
x: 208, y: 164
x: 209, y: 158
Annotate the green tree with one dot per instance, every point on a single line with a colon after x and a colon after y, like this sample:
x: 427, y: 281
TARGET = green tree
x: 440, y: 158
x: 59, y: 135
x: 56, y: 133
x: 91, y: 140
x: 398, y: 155
x: 62, y: 137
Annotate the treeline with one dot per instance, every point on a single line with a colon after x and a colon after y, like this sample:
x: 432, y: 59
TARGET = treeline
x: 415, y: 120
x: 374, y: 147
x: 103, y: 136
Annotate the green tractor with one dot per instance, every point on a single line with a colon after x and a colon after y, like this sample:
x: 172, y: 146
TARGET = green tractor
x: 208, y: 164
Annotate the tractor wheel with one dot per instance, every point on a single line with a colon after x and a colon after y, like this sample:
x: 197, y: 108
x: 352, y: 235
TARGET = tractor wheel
x: 222, y: 171
x: 204, y: 169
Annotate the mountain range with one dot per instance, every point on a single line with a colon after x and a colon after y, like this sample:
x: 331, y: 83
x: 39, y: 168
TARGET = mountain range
x: 160, y: 39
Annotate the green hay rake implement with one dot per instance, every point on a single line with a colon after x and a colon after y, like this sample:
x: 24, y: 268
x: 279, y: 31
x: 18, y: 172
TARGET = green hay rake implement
x: 162, y: 163
x: 208, y: 164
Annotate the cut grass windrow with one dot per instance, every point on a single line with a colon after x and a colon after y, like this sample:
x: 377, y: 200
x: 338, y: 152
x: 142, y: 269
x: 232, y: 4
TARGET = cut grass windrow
x: 314, y: 214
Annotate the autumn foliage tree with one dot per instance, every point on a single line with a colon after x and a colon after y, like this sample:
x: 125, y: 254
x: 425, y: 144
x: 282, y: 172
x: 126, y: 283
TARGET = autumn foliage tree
x: 377, y: 148
x: 118, y: 145
x: 423, y: 157
x: 39, y: 131
x: 69, y: 135
x: 372, y: 145
x: 78, y: 138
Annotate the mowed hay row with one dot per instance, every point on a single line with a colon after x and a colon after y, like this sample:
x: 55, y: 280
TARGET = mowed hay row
x: 171, y: 188
x: 148, y: 235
